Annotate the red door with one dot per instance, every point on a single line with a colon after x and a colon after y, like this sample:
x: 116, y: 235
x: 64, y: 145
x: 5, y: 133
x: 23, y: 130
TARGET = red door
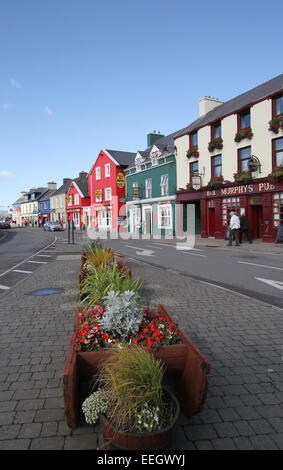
x: 211, y: 222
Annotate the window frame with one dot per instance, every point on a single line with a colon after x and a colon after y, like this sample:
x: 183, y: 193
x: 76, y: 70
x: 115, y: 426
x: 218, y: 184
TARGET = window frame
x: 164, y: 187
x: 213, y: 166
x: 212, y: 130
x: 97, y: 170
x: 240, y: 116
x: 274, y: 152
x: 241, y: 160
x: 148, y: 191
x: 277, y: 208
x: 76, y: 199
x: 106, y: 197
x: 192, y: 173
x: 276, y: 97
x: 107, y: 165
x: 191, y: 136
x: 169, y: 216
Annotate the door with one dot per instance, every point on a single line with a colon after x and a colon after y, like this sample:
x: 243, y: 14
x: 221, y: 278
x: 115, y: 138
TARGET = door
x: 256, y: 222
x: 211, y: 222
x: 147, y: 221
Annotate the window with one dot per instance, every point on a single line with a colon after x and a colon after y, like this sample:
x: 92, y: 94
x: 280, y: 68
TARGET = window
x: 97, y: 173
x: 216, y: 165
x: 244, y: 155
x: 277, y: 106
x: 70, y: 200
x: 193, y: 170
x: 148, y: 188
x: 104, y: 219
x: 164, y: 185
x: 165, y: 216
x: 277, y: 152
x: 135, y: 190
x: 228, y: 204
x: 244, y: 119
x: 107, y: 170
x: 216, y: 130
x: 138, y: 168
x: 107, y: 194
x: 77, y: 200
x: 194, y: 139
x: 277, y: 209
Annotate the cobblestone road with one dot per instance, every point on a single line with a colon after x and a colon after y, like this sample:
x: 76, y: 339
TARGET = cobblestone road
x: 241, y: 337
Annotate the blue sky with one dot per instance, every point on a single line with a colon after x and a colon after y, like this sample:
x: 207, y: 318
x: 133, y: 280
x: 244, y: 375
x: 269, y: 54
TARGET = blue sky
x: 81, y: 75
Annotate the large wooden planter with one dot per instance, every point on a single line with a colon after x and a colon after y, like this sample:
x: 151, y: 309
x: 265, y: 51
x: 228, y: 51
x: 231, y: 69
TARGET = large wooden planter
x: 186, y: 370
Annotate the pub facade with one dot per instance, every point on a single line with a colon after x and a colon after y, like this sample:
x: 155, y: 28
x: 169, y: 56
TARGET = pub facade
x: 231, y: 158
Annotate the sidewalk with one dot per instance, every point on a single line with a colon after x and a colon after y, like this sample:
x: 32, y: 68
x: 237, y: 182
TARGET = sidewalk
x: 241, y: 337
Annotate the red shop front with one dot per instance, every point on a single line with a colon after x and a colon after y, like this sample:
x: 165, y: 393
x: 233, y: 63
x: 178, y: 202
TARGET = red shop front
x: 260, y: 200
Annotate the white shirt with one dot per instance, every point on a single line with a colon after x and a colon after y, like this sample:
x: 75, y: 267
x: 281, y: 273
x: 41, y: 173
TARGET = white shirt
x: 234, y: 222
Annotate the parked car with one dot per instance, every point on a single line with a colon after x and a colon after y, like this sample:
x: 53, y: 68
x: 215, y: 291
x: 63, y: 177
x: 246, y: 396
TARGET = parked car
x: 4, y: 224
x: 53, y: 226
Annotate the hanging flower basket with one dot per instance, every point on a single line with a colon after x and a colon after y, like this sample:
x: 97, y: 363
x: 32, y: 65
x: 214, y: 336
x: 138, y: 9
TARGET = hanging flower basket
x: 215, y: 144
x: 243, y: 176
x: 276, y: 124
x: 193, y: 152
x: 215, y: 182
x: 245, y: 133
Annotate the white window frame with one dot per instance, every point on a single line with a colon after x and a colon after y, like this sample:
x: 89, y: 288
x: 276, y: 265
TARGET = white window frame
x: 108, y: 194
x: 105, y: 218
x: 148, y: 188
x: 97, y: 173
x: 167, y: 207
x: 107, y: 170
x: 70, y: 203
x: 76, y: 200
x: 164, y: 185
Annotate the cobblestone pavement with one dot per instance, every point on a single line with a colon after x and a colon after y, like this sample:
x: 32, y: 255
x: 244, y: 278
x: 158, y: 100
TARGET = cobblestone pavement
x: 241, y: 337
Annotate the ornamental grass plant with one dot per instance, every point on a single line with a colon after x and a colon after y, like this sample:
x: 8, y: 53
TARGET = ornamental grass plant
x: 132, y: 381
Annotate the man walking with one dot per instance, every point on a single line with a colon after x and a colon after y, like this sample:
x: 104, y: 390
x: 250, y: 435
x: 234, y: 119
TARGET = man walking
x: 244, y: 228
x: 234, y: 228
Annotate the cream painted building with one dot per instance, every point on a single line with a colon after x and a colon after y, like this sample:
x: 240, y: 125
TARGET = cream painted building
x: 58, y: 203
x: 248, y: 147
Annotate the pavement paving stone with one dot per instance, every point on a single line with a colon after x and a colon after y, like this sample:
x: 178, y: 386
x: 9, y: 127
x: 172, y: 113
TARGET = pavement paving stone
x: 240, y: 336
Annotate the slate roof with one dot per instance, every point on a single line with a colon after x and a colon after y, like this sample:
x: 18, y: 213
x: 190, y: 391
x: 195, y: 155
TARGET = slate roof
x: 123, y: 158
x: 47, y: 195
x: 82, y: 183
x: 242, y: 101
x: 64, y: 188
x: 39, y: 191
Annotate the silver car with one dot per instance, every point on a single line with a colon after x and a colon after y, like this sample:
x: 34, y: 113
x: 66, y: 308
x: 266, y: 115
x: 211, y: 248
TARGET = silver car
x: 54, y: 226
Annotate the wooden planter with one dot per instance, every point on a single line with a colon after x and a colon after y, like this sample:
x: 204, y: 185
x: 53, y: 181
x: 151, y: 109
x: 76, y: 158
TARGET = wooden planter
x: 158, y: 440
x: 187, y: 370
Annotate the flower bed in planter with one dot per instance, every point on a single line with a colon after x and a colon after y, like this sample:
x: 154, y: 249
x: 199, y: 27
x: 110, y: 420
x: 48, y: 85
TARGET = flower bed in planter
x: 186, y: 368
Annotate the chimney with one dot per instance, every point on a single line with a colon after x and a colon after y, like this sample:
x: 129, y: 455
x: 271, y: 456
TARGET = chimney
x: 207, y: 103
x: 82, y: 174
x: 152, y: 137
x: 67, y: 180
x: 52, y: 185
x: 23, y: 193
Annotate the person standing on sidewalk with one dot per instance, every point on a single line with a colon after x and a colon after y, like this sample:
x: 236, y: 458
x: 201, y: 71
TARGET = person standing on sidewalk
x: 234, y: 228
x: 244, y: 228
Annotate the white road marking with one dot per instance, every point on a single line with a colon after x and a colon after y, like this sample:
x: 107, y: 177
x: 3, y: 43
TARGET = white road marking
x: 156, y: 247
x: 25, y: 260
x: 4, y: 287
x: 193, y: 254
x: 261, y: 265
x: 270, y: 282
x: 37, y: 262
x: 141, y: 253
x: 45, y: 256
x: 21, y: 271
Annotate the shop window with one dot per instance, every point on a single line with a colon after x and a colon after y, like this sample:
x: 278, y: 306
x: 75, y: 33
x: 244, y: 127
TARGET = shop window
x: 277, y: 209
x: 165, y: 216
x: 229, y: 204
x: 277, y: 152
x: 244, y: 155
x: 104, y: 219
x: 216, y: 165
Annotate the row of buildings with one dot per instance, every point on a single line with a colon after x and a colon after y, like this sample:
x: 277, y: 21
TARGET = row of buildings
x: 230, y: 157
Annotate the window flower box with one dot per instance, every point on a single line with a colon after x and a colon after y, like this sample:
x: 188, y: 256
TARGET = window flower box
x: 215, y: 182
x: 215, y: 144
x: 244, y: 133
x: 193, y: 152
x: 186, y: 369
x: 276, y: 124
x: 243, y: 176
x: 276, y: 175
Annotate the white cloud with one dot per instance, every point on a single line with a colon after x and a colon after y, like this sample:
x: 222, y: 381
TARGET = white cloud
x: 7, y: 106
x: 48, y: 111
x: 7, y: 175
x: 14, y: 83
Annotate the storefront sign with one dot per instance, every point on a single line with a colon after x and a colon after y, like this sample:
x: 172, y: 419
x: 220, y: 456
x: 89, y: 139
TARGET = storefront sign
x: 248, y: 188
x: 196, y: 182
x: 68, y: 198
x: 120, y: 180
x: 98, y: 194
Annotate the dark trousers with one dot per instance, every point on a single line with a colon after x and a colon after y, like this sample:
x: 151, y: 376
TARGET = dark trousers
x: 247, y: 233
x: 234, y: 233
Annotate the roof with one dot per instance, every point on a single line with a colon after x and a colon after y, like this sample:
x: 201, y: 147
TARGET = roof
x: 64, y: 188
x: 242, y: 101
x: 123, y: 158
x: 82, y: 184
x: 47, y: 195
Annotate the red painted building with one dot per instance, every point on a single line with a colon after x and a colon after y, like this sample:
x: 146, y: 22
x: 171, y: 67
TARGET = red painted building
x: 107, y: 189
x: 78, y: 201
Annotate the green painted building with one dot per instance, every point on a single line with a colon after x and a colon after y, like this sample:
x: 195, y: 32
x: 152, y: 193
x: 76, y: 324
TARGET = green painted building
x: 151, y: 188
